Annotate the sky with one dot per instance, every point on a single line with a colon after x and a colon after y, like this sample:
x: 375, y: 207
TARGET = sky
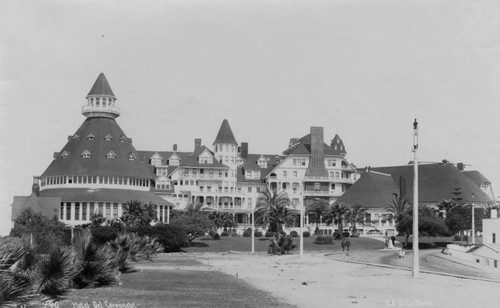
x: 361, y: 69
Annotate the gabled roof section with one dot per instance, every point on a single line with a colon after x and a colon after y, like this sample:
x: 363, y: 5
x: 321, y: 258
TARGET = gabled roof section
x: 337, y: 146
x: 302, y: 146
x: 145, y: 156
x: 101, y: 87
x: 48, y: 206
x: 225, y: 134
x: 192, y: 160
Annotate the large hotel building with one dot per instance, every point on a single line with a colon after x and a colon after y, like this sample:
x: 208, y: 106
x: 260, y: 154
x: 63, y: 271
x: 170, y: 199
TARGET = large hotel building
x: 99, y: 170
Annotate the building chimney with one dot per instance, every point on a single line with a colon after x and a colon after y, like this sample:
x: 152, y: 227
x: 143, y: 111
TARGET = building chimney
x: 174, y: 148
x: 317, y: 161
x: 460, y: 166
x: 36, y: 185
x: 197, y: 143
x: 244, y: 149
x: 493, y: 213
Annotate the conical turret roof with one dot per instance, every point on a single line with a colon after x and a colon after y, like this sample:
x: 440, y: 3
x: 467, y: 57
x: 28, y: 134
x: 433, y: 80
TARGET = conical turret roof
x: 101, y: 87
x: 99, y: 137
x: 225, y: 134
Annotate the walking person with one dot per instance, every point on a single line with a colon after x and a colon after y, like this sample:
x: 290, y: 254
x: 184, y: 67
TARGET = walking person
x: 344, y: 244
x: 347, y: 244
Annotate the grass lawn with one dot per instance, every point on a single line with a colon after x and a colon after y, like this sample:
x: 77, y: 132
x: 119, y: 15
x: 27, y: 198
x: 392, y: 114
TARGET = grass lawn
x: 174, y: 288
x: 240, y: 243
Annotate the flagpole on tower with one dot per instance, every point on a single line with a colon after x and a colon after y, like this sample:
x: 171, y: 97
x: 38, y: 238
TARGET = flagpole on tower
x: 415, y: 201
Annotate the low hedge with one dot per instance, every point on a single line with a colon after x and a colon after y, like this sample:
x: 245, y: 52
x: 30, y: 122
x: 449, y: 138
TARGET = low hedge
x: 323, y: 240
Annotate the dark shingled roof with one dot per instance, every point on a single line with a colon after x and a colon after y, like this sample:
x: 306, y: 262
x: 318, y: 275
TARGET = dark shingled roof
x: 303, y: 147
x: 250, y: 163
x: 48, y: 206
x: 146, y: 155
x: 477, y: 177
x: 338, y: 146
x: 101, y: 87
x: 98, y: 164
x: 104, y: 195
x: 436, y: 182
x: 225, y: 134
x: 371, y: 190
x: 192, y: 160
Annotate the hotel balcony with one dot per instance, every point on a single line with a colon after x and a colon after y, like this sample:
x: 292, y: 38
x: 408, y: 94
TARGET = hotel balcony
x: 222, y: 191
x: 317, y: 178
x: 86, y: 110
x: 317, y: 193
x: 203, y: 176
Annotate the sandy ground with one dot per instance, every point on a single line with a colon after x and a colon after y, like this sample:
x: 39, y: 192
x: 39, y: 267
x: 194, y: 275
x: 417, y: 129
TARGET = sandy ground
x: 317, y: 280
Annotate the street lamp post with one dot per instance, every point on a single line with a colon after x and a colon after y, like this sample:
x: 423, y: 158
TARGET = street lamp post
x: 253, y: 229
x: 415, y: 201
x: 302, y: 231
x: 473, y: 229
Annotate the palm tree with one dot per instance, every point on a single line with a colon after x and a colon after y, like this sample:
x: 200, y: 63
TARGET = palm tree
x: 192, y: 208
x: 337, y: 215
x: 400, y: 207
x: 98, y: 220
x: 273, y: 210
x: 135, y: 214
x: 356, y: 215
x: 318, y: 208
x: 95, y: 265
x: 222, y: 220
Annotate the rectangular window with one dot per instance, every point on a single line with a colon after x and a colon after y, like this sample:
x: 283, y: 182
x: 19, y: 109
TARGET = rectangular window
x: 115, y: 210
x: 77, y: 210
x: 108, y: 210
x: 101, y: 208
x: 105, y: 180
x: 493, y: 236
x: 258, y: 189
x: 317, y: 186
x: 295, y: 174
x: 284, y: 174
x: 61, y: 210
x: 91, y: 210
x: 84, y: 210
x: 249, y: 189
x: 333, y: 186
x: 68, y: 210
x: 84, y: 179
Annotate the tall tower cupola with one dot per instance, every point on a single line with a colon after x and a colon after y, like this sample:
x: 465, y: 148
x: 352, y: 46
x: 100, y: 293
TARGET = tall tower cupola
x: 101, y: 100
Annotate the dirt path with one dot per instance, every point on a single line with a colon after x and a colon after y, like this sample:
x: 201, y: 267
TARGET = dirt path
x: 319, y: 281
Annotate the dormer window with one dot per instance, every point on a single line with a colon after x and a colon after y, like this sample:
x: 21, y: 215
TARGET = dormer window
x: 123, y: 139
x: 90, y: 137
x: 65, y: 155
x: 110, y: 154
x: 131, y: 156
x: 262, y: 162
x: 86, y: 154
x: 76, y: 137
x: 108, y: 137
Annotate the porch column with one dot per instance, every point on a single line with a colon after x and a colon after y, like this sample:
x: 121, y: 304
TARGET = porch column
x: 168, y: 214
x: 163, y: 213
